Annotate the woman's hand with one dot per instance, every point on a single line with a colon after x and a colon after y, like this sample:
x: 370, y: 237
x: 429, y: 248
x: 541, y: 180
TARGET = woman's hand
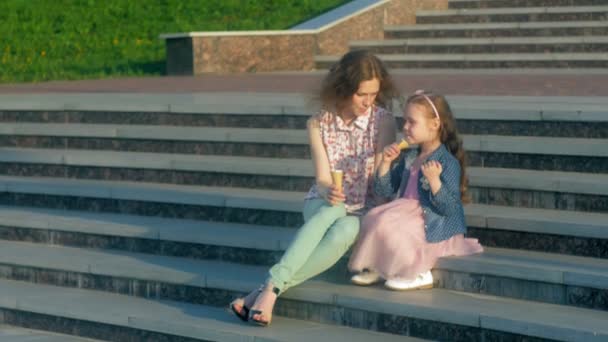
x: 390, y: 153
x: 334, y: 195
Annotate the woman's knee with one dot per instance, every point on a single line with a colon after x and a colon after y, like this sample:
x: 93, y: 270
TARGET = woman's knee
x: 346, y: 229
x: 332, y: 213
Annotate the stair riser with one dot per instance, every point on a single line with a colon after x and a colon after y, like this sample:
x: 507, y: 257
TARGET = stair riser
x: 324, y: 313
x: 491, y: 48
x: 82, y: 328
x: 144, y: 208
x: 160, y: 176
x: 510, y: 18
x: 538, y: 162
x: 161, y: 146
x: 549, y: 243
x: 487, y: 64
x: 493, y: 195
x: 246, y: 256
x: 168, y: 119
x: 465, y: 126
x: 480, y: 194
x: 586, y: 297
x: 492, y: 33
x: 590, y: 130
x: 523, y: 3
x: 539, y: 199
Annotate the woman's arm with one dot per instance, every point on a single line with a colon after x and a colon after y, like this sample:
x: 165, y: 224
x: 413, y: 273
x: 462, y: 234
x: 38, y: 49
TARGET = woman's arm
x: 319, y: 157
x: 320, y: 160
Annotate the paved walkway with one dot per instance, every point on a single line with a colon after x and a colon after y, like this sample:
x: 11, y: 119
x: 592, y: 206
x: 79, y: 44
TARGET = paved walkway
x: 453, y: 82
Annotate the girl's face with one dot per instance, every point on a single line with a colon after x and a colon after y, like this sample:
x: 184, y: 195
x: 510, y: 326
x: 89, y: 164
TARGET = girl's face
x: 364, y: 97
x: 418, y: 127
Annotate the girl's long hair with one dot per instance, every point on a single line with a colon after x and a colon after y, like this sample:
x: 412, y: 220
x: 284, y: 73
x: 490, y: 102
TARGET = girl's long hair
x: 448, y: 133
x: 343, y: 79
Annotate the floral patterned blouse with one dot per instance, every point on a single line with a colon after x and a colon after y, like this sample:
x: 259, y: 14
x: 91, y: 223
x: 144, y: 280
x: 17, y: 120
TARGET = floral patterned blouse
x: 352, y: 150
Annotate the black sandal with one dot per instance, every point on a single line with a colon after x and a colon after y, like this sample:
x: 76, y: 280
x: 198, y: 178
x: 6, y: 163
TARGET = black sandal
x: 243, y: 314
x: 252, y: 313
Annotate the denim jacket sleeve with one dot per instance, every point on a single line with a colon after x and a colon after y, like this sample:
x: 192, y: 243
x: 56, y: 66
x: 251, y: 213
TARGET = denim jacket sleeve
x: 447, y: 200
x: 388, y: 184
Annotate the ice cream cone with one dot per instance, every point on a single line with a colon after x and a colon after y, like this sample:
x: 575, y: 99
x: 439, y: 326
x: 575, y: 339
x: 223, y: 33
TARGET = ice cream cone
x: 336, y: 176
x: 403, y: 144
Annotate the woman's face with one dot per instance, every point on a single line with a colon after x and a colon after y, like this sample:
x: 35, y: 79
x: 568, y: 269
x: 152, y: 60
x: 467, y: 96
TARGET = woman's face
x: 364, y: 97
x: 418, y: 128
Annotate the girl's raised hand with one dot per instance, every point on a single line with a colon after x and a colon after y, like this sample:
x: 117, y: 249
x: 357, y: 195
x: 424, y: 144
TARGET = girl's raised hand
x: 334, y: 195
x: 431, y: 169
x: 390, y: 153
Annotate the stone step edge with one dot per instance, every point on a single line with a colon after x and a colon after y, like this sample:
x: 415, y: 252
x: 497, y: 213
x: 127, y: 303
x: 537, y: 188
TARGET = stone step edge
x: 542, y: 267
x: 492, y: 177
x: 167, y: 317
x: 473, y: 142
x: 525, y: 220
x: 291, y: 104
x: 169, y: 193
x: 540, y: 56
x: 511, y: 10
x: 503, y: 25
x: 547, y: 320
x: 479, y: 41
x: 13, y: 333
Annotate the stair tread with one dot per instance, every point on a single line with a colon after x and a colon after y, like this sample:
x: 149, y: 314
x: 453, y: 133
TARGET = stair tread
x: 187, y: 320
x: 511, y: 10
x: 518, y: 264
x: 248, y: 198
x: 481, y: 41
x: 501, y: 25
x: 543, y: 320
x: 540, y: 56
x: 9, y: 333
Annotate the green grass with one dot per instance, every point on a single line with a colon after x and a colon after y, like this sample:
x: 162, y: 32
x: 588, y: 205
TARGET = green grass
x: 44, y: 40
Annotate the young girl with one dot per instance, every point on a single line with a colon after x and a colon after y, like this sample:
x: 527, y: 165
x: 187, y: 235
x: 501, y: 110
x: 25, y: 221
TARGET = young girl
x: 349, y: 134
x: 400, y: 241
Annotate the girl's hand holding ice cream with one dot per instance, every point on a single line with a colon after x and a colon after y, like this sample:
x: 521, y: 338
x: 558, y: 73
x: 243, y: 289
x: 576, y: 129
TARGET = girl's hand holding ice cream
x: 390, y: 153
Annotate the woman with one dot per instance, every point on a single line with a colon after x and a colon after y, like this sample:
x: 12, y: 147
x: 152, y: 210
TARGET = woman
x: 348, y: 134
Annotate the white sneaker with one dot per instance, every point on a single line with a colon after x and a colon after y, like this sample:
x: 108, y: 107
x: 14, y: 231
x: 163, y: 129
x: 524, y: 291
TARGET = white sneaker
x: 422, y: 281
x: 366, y: 278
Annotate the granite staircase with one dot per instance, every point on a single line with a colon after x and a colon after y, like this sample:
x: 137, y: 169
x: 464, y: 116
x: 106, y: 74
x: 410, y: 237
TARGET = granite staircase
x: 139, y: 217
x: 497, y: 34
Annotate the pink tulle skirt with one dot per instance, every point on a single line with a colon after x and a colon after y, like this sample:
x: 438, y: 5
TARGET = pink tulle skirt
x: 392, y: 242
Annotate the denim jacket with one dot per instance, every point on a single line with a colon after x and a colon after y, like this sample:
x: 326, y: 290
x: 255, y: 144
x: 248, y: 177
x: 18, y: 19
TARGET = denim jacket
x: 443, y: 212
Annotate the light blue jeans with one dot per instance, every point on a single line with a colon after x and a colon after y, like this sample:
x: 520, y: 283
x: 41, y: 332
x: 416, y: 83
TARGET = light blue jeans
x: 328, y: 232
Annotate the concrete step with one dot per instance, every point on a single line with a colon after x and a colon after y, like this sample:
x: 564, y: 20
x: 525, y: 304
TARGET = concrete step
x: 485, y: 60
x: 213, y: 283
x: 491, y: 30
x: 574, y: 154
x: 457, y: 4
x: 502, y: 186
x: 519, y: 188
x: 517, y: 14
x: 529, y: 115
x: 567, y: 232
x: 485, y: 45
x: 10, y: 333
x: 122, y: 318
